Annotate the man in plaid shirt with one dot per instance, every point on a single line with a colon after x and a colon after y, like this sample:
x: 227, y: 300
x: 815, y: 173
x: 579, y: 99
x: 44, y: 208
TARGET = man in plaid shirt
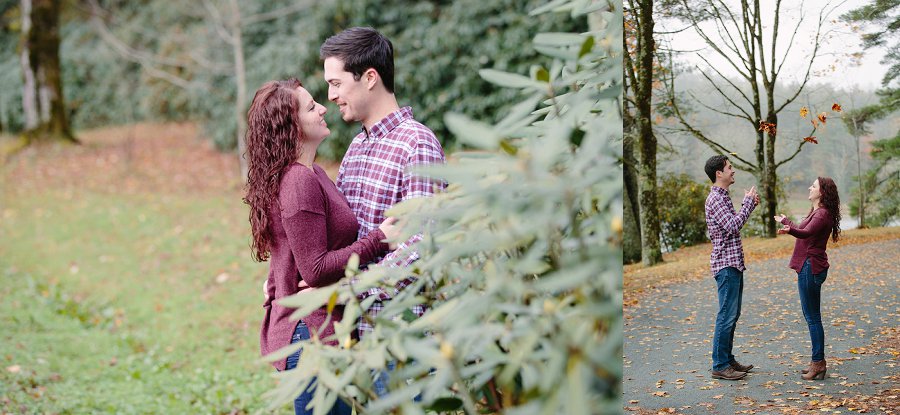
x: 375, y: 172
x: 726, y: 262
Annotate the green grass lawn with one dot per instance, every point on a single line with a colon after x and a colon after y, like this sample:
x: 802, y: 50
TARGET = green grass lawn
x: 127, y: 302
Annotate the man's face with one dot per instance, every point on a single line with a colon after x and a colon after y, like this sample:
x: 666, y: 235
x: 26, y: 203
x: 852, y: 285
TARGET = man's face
x: 728, y: 173
x: 348, y: 93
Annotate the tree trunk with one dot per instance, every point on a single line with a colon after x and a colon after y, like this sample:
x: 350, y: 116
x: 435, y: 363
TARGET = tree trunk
x: 632, y: 211
x: 649, y: 212
x: 240, y: 79
x: 862, y: 187
x: 42, y: 97
x: 771, y: 178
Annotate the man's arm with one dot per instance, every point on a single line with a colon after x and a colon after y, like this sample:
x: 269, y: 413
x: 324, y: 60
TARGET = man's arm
x: 732, y: 222
x: 415, y: 184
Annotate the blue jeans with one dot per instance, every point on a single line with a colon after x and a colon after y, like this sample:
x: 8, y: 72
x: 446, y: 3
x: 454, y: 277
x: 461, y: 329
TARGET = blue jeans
x: 730, y: 283
x: 381, y: 380
x: 340, y: 407
x: 810, y: 286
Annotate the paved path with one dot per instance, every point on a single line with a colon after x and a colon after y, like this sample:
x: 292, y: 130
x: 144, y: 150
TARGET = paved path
x: 668, y: 338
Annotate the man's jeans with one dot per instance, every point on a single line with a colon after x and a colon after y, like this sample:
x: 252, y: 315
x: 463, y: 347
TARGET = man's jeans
x: 730, y: 283
x: 340, y: 407
x: 810, y: 286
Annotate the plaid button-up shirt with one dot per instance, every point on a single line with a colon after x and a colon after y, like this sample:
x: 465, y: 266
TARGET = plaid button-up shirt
x: 374, y: 176
x: 724, y: 226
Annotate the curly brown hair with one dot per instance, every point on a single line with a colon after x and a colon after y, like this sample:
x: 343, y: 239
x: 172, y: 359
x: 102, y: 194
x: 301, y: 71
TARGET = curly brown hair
x: 831, y: 201
x: 273, y: 142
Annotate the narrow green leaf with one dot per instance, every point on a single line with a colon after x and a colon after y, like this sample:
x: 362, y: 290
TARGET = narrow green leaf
x: 471, y: 132
x: 508, y: 148
x: 509, y: 80
x: 586, y: 47
x: 543, y: 75
x: 558, y: 39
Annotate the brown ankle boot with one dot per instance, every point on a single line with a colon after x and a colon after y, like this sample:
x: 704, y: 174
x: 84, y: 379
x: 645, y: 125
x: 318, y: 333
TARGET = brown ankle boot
x: 816, y: 371
x: 805, y: 371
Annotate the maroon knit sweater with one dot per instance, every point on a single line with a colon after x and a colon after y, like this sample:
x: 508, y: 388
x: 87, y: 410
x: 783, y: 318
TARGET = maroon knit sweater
x: 812, y: 238
x: 314, y: 234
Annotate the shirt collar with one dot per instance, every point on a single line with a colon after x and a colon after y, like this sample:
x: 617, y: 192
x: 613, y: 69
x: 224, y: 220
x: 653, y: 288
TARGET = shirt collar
x: 387, y: 124
x: 719, y: 190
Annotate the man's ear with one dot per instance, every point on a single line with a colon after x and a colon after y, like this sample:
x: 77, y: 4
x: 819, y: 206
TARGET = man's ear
x: 370, y: 76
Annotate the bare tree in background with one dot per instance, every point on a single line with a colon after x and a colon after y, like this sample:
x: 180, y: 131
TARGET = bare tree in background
x: 747, y: 41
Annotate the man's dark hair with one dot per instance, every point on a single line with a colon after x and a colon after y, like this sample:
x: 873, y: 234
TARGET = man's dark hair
x: 362, y: 48
x: 714, y: 164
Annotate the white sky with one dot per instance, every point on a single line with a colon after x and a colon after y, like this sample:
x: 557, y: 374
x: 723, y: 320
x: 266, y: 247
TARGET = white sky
x: 834, y: 65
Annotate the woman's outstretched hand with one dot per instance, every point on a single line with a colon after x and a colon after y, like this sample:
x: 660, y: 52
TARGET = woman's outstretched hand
x: 391, y: 229
x: 779, y: 218
x: 784, y: 229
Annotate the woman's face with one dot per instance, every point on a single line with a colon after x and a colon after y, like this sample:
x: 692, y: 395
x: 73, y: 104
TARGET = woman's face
x: 814, y: 193
x: 312, y: 117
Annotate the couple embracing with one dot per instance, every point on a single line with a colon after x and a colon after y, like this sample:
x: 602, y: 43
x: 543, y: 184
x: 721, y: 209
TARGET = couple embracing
x: 306, y: 225
x: 809, y: 260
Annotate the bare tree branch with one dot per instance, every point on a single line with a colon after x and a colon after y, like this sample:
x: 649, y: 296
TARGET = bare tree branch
x: 725, y: 78
x: 823, y: 15
x: 219, y: 23
x: 713, y: 44
x: 797, y: 151
x: 147, y: 61
x: 743, y: 164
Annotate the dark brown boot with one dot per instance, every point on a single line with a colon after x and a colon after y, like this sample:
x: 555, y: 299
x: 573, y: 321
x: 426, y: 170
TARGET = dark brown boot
x: 728, y: 374
x: 816, y: 371
x: 740, y: 368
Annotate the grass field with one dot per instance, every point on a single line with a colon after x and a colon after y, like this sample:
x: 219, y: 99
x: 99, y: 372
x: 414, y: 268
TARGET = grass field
x: 127, y: 282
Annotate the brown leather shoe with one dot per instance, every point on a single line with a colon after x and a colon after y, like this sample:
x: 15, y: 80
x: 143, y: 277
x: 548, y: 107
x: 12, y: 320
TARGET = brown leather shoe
x: 817, y: 371
x: 728, y: 374
x: 740, y: 368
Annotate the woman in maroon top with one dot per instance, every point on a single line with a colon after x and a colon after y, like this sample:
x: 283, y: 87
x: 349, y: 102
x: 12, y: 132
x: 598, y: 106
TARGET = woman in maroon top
x: 811, y: 262
x: 300, y: 221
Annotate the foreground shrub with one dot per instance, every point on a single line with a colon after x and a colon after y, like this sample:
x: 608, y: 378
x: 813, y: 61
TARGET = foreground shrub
x: 521, y: 260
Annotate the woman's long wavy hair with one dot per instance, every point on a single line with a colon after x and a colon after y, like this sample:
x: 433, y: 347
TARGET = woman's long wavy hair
x: 831, y: 201
x: 273, y: 141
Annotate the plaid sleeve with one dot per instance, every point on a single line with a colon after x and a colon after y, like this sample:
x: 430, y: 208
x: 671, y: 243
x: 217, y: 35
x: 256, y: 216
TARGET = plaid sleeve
x: 722, y: 212
x: 426, y: 151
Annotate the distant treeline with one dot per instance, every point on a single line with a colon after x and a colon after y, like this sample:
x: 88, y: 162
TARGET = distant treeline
x: 127, y: 61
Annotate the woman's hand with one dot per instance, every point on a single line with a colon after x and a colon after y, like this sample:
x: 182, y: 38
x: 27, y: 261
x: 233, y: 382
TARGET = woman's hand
x: 391, y: 230
x: 779, y: 218
x: 784, y: 229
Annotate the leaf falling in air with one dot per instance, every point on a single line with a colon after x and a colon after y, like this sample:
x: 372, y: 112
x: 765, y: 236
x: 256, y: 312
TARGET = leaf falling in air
x: 767, y: 127
x: 836, y: 107
x: 821, y: 117
x: 811, y: 140
x: 804, y: 112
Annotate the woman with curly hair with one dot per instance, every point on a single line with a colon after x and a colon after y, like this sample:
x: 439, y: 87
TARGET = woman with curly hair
x: 299, y: 220
x: 811, y: 262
